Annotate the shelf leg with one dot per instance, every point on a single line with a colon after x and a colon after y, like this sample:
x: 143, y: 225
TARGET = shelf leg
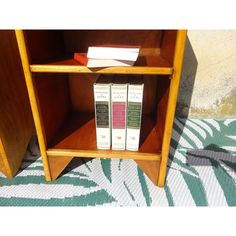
x: 57, y: 165
x: 150, y: 168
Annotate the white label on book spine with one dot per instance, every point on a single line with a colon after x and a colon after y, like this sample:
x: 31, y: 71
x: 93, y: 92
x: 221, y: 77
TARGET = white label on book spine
x: 102, y: 114
x: 134, y: 113
x: 119, y: 103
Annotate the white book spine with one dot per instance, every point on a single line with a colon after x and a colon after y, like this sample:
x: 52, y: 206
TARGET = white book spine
x: 119, y: 104
x: 112, y: 53
x: 107, y: 62
x: 102, y: 93
x: 134, y: 114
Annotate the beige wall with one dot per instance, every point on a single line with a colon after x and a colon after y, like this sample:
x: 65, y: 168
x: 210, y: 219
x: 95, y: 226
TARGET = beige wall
x: 208, y: 81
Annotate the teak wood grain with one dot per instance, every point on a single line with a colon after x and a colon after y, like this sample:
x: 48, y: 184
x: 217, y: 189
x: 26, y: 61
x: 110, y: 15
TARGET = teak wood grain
x: 16, y: 121
x: 64, y: 116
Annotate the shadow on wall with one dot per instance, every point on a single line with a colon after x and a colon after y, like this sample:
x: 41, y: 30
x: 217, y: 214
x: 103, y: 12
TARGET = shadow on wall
x: 187, y: 81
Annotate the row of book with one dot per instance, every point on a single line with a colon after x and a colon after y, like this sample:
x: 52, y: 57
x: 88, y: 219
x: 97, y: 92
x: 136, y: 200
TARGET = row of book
x: 118, y: 112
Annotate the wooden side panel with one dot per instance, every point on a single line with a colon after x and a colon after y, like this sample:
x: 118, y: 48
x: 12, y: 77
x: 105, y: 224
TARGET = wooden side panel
x: 2, y: 169
x: 149, y: 95
x: 168, y: 45
x: 44, y: 45
x: 54, y: 101
x: 3, y: 158
x: 150, y: 168
x: 161, y: 105
x: 172, y: 98
x: 57, y: 165
x: 16, y: 122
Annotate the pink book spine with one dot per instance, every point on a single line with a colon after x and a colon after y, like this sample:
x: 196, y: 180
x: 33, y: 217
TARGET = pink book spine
x: 119, y: 103
x: 119, y: 115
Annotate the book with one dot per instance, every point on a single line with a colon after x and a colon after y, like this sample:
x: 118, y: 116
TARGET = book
x: 102, y: 94
x: 82, y: 59
x: 118, y: 108
x: 117, y: 52
x: 134, y: 113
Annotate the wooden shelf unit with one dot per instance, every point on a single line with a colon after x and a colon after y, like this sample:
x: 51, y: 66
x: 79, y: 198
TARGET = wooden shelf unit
x: 61, y: 93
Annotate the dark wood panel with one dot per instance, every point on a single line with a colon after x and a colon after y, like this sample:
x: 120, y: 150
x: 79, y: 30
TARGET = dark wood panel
x: 81, y: 92
x: 149, y: 95
x: 43, y: 45
x: 168, y: 45
x: 16, y: 122
x: 54, y: 100
x: 163, y: 86
x: 80, y: 40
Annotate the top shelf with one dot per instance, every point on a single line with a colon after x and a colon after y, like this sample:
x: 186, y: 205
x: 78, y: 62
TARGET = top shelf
x: 153, y: 65
x: 53, y: 50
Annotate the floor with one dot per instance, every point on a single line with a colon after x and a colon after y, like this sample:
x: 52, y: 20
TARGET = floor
x: 201, y: 172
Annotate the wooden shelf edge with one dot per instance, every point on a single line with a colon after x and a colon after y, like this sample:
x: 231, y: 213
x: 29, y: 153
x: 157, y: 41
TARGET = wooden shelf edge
x: 104, y: 154
x: 108, y: 70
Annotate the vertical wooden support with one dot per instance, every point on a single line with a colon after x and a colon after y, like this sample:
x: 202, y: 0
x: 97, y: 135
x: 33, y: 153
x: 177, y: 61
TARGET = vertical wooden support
x: 173, y: 93
x: 4, y: 163
x: 16, y: 121
x: 33, y: 101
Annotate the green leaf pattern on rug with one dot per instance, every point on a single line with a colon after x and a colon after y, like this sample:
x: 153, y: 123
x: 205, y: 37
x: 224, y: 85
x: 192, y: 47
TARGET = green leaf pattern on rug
x: 114, y: 182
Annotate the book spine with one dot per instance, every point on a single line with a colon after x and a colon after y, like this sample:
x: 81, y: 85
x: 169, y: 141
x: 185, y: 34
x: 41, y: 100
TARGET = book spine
x: 81, y: 58
x: 134, y: 113
x: 111, y: 53
x: 102, y: 115
x: 119, y: 103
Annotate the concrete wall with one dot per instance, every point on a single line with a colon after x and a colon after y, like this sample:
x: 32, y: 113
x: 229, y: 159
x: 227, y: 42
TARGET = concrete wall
x: 208, y: 81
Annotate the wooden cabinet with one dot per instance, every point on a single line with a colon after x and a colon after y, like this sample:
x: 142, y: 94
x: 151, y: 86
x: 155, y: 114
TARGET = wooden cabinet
x: 16, y: 121
x: 61, y: 94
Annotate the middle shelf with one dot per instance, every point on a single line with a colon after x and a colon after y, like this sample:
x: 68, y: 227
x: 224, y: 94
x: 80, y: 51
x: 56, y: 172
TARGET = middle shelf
x: 151, y: 65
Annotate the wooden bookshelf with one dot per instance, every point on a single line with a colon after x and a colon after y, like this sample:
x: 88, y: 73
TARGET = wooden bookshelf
x: 61, y: 94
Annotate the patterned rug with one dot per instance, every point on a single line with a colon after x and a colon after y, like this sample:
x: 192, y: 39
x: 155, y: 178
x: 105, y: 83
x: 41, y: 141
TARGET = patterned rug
x: 201, y: 172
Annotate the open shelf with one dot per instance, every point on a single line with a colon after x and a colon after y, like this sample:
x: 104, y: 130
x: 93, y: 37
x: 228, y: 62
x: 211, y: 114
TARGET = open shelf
x: 52, y: 50
x: 77, y: 137
x: 67, y: 109
x: 62, y: 99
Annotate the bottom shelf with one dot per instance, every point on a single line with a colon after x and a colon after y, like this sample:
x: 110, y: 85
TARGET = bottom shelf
x: 77, y: 137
